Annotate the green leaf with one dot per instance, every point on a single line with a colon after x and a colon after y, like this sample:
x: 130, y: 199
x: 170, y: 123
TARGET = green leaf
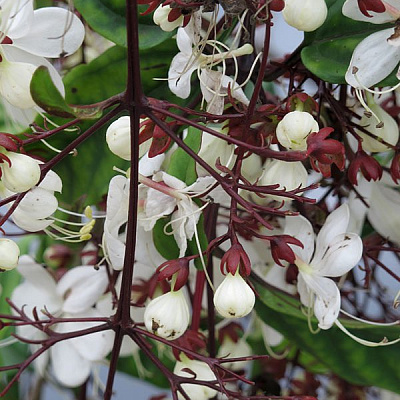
x: 165, y: 244
x: 182, y: 165
x: 108, y: 20
x: 329, y: 49
x: 46, y: 95
x: 350, y: 360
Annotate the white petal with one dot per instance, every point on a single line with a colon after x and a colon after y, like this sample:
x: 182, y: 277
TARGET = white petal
x: 28, y: 223
x: 38, y: 203
x: 327, y: 301
x: 55, y: 32
x: 384, y: 211
x: 342, y: 254
x: 335, y: 224
x: 93, y: 347
x: 300, y: 228
x: 180, y: 73
x: 69, y: 367
x: 17, y: 18
x: 148, y: 166
x: 51, y: 182
x: 82, y: 286
x: 304, y: 291
x: 271, y: 336
x: 351, y: 9
x: 374, y: 59
x: 15, y: 54
x: 184, y: 42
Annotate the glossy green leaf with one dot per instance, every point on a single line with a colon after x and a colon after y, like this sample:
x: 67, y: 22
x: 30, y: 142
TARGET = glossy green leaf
x: 328, y: 50
x: 182, y: 165
x: 165, y: 244
x: 350, y: 360
x: 110, y: 22
x: 46, y: 95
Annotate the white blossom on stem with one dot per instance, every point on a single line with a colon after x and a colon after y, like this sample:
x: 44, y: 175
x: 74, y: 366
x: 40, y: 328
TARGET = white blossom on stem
x: 333, y: 253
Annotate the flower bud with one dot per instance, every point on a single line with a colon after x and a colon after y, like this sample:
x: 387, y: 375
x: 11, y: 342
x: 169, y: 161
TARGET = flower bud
x: 293, y: 130
x: 234, y: 297
x: 198, y: 370
x: 168, y: 315
x: 386, y: 130
x: 289, y: 176
x: 118, y: 137
x: 305, y: 15
x: 9, y: 253
x: 161, y: 17
x: 22, y: 175
x: 15, y: 83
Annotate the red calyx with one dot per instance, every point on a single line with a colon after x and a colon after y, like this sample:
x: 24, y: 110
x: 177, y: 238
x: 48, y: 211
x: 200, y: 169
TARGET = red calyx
x: 171, y: 267
x: 369, y: 167
x: 236, y: 258
x: 191, y: 340
x: 281, y: 250
x: 395, y: 168
x: 324, y: 152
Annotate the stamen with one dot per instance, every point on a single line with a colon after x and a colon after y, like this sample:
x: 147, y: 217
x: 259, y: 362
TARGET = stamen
x: 370, y: 322
x: 73, y: 152
x: 364, y: 342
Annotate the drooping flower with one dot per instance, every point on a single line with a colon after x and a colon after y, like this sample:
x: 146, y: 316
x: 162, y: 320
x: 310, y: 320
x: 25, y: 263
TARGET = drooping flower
x: 168, y: 315
x: 377, y: 55
x: 306, y: 15
x: 234, y: 298
x: 292, y: 131
x: 333, y: 253
x: 9, y: 253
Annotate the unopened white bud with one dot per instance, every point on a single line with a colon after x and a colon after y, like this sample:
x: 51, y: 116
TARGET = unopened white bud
x: 118, y: 137
x: 22, y: 175
x: 293, y: 130
x: 202, y: 372
x: 15, y: 81
x: 234, y: 297
x: 387, y: 129
x: 9, y: 253
x: 305, y: 15
x: 168, y: 315
x: 160, y: 17
x: 230, y: 349
x: 289, y: 176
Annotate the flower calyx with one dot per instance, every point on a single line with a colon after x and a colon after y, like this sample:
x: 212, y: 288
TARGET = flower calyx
x: 235, y: 258
x: 191, y: 340
x: 324, y: 152
x: 371, y: 5
x: 175, y: 270
x: 370, y: 168
x: 281, y: 250
x: 395, y: 168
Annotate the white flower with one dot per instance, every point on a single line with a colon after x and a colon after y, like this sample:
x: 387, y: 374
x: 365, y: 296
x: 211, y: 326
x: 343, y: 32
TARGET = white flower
x: 22, y: 174
x: 234, y: 297
x: 190, y: 59
x: 201, y: 371
x: 27, y: 37
x: 161, y: 200
x: 306, y: 15
x: 33, y: 212
x: 168, y: 315
x: 9, y: 253
x: 336, y: 253
x: 377, y: 55
x: 73, y: 296
x: 389, y: 131
x: 289, y: 176
x: 146, y: 257
x: 293, y: 130
x: 160, y: 17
